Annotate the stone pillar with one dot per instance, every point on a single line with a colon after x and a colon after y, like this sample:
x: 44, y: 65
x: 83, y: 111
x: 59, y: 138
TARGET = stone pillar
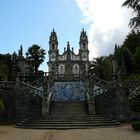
x: 91, y: 100
x: 45, y: 111
x: 91, y: 107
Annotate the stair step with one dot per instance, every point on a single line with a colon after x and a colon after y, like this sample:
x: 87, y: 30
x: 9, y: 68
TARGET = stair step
x: 67, y: 126
x: 67, y: 115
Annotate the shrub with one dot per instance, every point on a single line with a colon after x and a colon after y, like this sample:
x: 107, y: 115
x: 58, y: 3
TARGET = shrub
x: 134, y: 100
x: 2, y: 107
x: 136, y: 125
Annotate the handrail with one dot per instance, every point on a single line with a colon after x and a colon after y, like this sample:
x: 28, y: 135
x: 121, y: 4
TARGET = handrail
x: 36, y: 81
x: 101, y: 80
x: 31, y: 86
x: 104, y: 88
x: 34, y: 88
x: 131, y: 84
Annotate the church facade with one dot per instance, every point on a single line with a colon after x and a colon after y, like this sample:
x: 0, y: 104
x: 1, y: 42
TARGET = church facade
x: 68, y: 63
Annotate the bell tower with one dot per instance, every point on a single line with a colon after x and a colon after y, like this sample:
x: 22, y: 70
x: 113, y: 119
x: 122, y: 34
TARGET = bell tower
x: 83, y: 43
x: 53, y: 50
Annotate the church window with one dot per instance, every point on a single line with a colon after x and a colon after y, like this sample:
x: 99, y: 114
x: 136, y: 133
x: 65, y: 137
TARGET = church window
x: 76, y: 69
x: 53, y: 46
x: 61, y: 69
x: 84, y: 45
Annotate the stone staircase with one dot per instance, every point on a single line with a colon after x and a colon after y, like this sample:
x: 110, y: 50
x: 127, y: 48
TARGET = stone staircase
x: 67, y: 115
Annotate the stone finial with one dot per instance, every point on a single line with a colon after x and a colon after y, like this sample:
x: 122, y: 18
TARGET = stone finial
x: 72, y: 49
x: 20, y: 52
x: 68, y: 46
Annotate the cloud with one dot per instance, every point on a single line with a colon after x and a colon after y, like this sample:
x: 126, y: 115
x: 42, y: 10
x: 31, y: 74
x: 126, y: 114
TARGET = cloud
x: 108, y: 24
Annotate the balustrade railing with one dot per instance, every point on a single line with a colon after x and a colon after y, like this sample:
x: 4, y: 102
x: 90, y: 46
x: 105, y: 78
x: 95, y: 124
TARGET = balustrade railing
x: 31, y: 89
x: 104, y: 86
x: 7, y: 84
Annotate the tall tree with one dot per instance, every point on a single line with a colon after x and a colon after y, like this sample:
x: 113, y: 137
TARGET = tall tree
x: 36, y: 56
x: 125, y: 58
x: 135, y: 6
x: 137, y: 58
x: 101, y: 67
x: 7, y: 62
x: 3, y: 71
x: 132, y: 41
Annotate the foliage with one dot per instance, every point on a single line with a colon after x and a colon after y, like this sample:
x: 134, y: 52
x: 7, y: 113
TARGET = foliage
x: 35, y: 56
x: 136, y: 125
x: 125, y: 57
x: 2, y: 107
x: 132, y: 41
x: 131, y: 55
x: 133, y: 76
x: 134, y: 100
x: 128, y: 60
x: 137, y: 58
x: 3, y: 71
x: 9, y: 66
x: 101, y: 67
x: 135, y: 6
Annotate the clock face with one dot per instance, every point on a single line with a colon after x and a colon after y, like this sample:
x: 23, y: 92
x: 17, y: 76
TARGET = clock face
x: 53, y: 38
x: 83, y: 37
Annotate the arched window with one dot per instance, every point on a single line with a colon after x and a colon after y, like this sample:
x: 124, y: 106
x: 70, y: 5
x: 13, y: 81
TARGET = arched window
x: 53, y: 46
x: 61, y: 69
x: 84, y: 45
x: 76, y: 69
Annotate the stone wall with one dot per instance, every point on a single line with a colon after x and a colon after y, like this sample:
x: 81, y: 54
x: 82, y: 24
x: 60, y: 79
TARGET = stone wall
x: 19, y: 104
x: 8, y: 96
x: 28, y: 105
x: 114, y: 104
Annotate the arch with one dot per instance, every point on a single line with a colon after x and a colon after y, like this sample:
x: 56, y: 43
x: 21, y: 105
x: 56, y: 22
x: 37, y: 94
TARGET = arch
x: 53, y: 46
x: 61, y: 69
x: 76, y: 69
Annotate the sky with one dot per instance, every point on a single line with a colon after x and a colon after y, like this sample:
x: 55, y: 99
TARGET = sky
x: 28, y: 22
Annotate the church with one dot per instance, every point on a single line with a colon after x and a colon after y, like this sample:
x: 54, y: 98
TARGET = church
x: 68, y: 63
x: 67, y: 96
x: 67, y: 70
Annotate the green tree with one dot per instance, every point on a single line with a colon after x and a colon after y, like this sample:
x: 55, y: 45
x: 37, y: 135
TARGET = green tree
x: 108, y: 68
x: 2, y: 107
x: 137, y: 58
x: 132, y: 41
x: 128, y: 60
x: 101, y: 67
x: 3, y: 71
x: 6, y: 66
x: 35, y: 56
x: 96, y: 67
x: 125, y: 57
x: 135, y: 6
x: 134, y: 100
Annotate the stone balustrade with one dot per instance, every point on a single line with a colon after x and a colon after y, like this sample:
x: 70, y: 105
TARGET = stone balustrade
x: 7, y: 84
